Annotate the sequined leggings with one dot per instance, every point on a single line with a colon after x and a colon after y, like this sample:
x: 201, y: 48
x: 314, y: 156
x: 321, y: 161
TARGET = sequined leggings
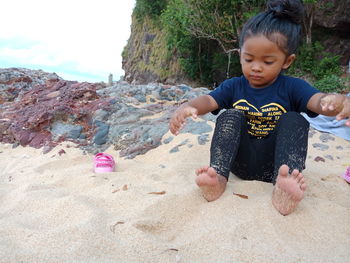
x: 233, y: 149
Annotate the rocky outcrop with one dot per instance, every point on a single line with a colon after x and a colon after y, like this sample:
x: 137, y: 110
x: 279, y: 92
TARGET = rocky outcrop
x: 34, y: 103
x: 334, y: 15
x: 43, y: 112
x: 14, y: 82
x: 145, y: 57
x: 332, y: 22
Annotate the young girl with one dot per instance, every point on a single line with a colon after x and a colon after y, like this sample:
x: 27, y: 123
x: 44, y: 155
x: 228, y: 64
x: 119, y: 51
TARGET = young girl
x: 261, y: 135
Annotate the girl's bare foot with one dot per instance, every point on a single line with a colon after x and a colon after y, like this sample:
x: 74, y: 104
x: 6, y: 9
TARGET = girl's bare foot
x: 211, y: 183
x: 289, y: 190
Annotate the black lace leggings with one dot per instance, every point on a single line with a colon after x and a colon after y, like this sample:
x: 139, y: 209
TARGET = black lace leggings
x: 233, y: 149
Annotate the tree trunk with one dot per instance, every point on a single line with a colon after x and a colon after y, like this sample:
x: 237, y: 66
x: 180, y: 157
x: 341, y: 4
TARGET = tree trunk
x: 308, y: 22
x: 199, y: 60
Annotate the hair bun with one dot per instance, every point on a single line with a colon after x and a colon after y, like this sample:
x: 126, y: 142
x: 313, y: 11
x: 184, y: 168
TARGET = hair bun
x: 289, y: 9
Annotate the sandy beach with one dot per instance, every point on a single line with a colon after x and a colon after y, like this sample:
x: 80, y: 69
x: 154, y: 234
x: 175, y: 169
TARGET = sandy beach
x: 54, y: 208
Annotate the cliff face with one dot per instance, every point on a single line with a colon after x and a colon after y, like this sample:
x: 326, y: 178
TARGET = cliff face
x: 145, y: 58
x: 333, y: 23
x: 334, y: 15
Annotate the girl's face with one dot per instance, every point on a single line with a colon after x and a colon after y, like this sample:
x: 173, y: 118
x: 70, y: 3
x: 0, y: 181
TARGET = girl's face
x: 262, y: 60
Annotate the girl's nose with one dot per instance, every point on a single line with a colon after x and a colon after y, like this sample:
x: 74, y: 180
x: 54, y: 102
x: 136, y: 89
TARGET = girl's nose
x: 256, y: 67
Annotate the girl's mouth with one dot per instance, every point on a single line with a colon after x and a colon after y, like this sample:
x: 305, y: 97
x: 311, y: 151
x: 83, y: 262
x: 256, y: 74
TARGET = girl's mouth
x: 256, y: 77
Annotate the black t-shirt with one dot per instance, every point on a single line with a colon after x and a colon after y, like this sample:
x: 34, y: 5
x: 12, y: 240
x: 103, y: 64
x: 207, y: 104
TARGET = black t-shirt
x: 264, y: 106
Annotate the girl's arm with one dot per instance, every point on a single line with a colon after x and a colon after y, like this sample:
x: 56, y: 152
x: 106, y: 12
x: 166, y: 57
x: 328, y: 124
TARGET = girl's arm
x: 331, y: 105
x: 198, y: 106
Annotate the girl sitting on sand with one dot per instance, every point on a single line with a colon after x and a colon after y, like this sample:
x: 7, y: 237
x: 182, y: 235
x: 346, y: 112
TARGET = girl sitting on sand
x: 261, y: 136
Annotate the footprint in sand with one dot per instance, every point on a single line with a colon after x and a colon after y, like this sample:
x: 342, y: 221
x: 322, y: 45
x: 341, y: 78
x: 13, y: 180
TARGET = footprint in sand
x: 42, y: 211
x: 167, y: 218
x: 81, y: 164
x: 45, y: 190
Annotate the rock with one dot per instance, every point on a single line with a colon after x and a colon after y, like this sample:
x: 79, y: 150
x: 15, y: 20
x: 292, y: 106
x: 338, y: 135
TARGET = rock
x: 197, y: 127
x: 69, y: 131
x: 337, y: 19
x: 330, y: 157
x: 320, y: 146
x: 14, y: 82
x: 319, y: 159
x: 168, y: 140
x: 93, y: 116
x: 102, y: 133
x: 141, y: 60
x: 311, y: 132
x: 174, y: 150
x: 53, y: 94
x: 325, y: 137
x: 333, y: 21
x: 203, y: 139
x: 61, y: 152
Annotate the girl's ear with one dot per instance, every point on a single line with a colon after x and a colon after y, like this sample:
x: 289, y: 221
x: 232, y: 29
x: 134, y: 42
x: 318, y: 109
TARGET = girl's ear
x: 289, y: 60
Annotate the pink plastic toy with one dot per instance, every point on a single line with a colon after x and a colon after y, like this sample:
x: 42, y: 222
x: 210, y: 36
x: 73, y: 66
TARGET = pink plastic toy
x: 103, y: 163
x: 346, y: 175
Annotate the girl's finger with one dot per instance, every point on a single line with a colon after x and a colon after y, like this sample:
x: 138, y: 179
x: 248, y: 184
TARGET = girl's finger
x: 327, y: 102
x: 180, y: 119
x: 331, y: 107
x: 172, y: 129
x: 324, y: 105
x: 194, y: 113
x: 174, y: 126
x: 343, y: 114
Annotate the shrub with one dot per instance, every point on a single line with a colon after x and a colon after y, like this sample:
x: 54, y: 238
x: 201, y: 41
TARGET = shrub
x: 151, y: 8
x: 323, y: 68
x: 328, y: 66
x: 306, y: 59
x: 330, y: 83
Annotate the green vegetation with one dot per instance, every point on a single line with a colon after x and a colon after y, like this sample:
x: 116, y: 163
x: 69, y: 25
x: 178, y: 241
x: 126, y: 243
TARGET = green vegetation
x: 150, y: 8
x: 204, y: 31
x: 321, y: 68
x: 331, y: 83
x: 200, y: 38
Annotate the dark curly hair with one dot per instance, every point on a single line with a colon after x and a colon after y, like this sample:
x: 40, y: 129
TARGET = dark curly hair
x: 280, y: 23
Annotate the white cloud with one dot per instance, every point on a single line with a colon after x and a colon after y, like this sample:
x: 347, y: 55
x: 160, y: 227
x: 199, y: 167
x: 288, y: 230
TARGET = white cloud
x: 87, y: 36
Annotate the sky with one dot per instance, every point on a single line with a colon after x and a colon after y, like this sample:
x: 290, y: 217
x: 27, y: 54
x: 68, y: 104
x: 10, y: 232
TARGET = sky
x: 79, y: 40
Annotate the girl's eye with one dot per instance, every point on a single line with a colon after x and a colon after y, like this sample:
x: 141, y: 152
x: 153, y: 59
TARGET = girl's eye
x: 268, y: 62
x: 248, y: 60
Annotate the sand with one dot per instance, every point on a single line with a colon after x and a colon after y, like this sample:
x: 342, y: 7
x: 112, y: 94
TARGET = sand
x: 55, y: 209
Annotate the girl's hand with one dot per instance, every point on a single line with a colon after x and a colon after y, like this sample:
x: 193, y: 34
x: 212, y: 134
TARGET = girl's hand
x: 339, y: 104
x: 178, y: 119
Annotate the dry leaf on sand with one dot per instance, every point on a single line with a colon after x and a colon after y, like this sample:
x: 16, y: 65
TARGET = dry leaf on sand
x: 241, y: 196
x: 157, y: 193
